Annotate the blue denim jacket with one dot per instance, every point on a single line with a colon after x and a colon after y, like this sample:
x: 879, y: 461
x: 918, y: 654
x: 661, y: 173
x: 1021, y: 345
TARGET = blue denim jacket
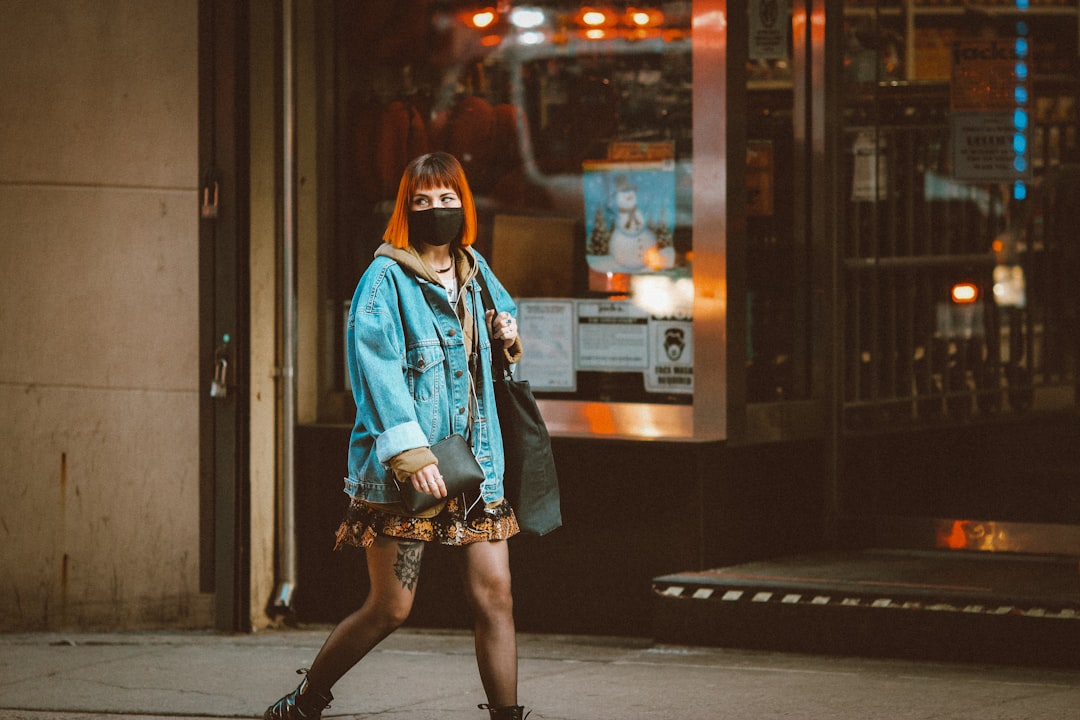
x: 409, y: 369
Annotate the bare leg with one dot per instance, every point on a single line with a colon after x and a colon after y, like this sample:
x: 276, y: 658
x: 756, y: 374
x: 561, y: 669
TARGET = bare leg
x: 487, y: 586
x: 394, y: 569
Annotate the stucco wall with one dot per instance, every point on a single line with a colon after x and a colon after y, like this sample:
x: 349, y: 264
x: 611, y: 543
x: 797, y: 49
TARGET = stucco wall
x: 99, y: 315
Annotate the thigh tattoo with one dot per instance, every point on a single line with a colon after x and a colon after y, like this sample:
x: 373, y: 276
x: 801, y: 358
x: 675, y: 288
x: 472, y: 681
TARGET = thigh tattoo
x: 407, y: 565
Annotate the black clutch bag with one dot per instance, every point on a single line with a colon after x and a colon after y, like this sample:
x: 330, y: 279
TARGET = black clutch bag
x: 459, y: 469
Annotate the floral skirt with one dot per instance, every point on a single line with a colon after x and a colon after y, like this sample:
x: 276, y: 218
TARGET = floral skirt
x: 451, y: 526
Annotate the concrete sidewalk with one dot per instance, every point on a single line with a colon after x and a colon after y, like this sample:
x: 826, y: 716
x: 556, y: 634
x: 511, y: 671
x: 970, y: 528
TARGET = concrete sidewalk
x: 430, y: 674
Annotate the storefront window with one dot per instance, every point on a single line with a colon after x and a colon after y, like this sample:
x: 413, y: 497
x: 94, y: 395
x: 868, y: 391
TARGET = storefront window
x: 575, y: 130
x: 591, y: 140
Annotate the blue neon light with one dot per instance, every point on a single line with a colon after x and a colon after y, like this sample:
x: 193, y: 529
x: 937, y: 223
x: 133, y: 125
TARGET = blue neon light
x: 1020, y: 116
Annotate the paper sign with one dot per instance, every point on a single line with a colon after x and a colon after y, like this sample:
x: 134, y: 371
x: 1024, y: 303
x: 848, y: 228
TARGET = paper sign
x: 672, y: 348
x: 983, y: 76
x: 770, y: 21
x: 547, y: 332
x: 612, y: 336
x: 983, y: 148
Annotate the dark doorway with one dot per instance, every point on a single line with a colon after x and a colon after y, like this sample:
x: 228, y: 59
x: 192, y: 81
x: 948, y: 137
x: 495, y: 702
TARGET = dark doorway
x: 223, y: 311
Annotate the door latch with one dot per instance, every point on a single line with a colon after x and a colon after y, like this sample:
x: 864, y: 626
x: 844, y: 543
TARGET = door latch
x: 209, y: 209
x: 219, y: 385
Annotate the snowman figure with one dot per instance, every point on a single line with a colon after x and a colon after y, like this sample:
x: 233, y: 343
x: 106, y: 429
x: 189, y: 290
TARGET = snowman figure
x: 633, y: 243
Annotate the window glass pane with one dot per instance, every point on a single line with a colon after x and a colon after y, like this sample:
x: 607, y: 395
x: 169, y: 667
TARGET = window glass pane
x: 575, y: 133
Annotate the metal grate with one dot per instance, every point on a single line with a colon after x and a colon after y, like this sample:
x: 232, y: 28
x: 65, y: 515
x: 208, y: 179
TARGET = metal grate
x: 911, y: 354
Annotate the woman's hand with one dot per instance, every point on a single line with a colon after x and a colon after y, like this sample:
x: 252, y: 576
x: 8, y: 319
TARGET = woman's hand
x: 429, y: 480
x: 503, y: 327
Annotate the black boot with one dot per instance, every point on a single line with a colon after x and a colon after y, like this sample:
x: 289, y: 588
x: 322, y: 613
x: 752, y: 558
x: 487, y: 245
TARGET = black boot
x: 303, y: 703
x: 506, y: 712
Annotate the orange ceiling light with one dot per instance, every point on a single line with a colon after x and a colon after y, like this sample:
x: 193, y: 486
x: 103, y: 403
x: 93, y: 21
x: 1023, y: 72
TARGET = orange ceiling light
x: 643, y: 17
x: 595, y: 17
x: 481, y: 19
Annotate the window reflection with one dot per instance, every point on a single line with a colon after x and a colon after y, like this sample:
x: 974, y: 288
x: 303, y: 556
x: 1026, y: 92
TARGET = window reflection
x: 574, y: 125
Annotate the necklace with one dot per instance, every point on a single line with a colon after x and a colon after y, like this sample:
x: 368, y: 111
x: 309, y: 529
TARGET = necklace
x: 448, y: 268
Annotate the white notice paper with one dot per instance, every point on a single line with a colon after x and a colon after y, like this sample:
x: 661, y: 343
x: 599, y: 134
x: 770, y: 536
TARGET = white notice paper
x: 547, y: 337
x: 612, y: 335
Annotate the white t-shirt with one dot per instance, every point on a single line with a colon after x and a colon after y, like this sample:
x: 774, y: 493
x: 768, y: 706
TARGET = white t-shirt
x: 453, y: 291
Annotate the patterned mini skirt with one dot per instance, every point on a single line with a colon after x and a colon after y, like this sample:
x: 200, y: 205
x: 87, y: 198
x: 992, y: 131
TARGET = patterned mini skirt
x: 455, y: 524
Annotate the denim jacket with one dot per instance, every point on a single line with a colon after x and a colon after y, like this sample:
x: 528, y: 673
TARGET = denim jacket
x: 409, y: 368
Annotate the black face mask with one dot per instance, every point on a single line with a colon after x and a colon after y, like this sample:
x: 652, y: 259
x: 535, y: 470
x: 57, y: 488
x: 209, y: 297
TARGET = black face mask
x: 438, y: 226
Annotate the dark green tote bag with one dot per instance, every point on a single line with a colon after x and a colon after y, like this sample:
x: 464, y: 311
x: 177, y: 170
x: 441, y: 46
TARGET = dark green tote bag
x: 529, y: 481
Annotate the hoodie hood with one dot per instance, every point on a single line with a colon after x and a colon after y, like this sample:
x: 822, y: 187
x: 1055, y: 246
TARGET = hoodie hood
x: 410, y: 259
x: 467, y: 268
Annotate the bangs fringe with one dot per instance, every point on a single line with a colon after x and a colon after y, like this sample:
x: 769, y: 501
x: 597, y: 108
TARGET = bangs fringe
x: 433, y: 170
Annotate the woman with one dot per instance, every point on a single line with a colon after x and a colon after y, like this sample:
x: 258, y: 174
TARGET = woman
x: 420, y: 344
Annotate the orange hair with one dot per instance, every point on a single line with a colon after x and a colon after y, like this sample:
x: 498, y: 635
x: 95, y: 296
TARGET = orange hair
x: 437, y: 169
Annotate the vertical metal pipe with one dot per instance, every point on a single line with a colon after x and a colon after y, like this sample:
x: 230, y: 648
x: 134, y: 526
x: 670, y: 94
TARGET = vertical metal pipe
x: 287, y: 564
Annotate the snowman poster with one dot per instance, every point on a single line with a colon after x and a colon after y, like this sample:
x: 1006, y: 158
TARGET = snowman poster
x: 629, y: 216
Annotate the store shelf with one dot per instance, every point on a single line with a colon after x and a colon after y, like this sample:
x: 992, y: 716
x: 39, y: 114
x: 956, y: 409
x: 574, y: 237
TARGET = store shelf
x: 925, y: 31
x: 931, y: 10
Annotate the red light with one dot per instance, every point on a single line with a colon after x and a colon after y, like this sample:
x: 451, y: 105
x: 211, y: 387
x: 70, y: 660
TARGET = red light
x: 956, y: 538
x: 965, y: 293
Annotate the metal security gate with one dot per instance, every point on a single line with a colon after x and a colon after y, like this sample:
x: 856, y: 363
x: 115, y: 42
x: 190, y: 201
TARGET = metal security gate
x: 959, y: 299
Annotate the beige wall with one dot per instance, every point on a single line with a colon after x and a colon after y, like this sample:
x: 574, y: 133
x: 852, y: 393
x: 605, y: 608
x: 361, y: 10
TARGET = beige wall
x: 265, y: 251
x: 99, y: 357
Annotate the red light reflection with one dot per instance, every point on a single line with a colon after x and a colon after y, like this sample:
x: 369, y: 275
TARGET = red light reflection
x: 956, y: 538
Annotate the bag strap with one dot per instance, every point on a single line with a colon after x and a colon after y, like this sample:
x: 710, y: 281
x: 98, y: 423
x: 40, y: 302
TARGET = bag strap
x: 499, y: 363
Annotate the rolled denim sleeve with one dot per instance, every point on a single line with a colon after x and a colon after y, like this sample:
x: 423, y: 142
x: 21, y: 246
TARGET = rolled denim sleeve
x: 398, y: 439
